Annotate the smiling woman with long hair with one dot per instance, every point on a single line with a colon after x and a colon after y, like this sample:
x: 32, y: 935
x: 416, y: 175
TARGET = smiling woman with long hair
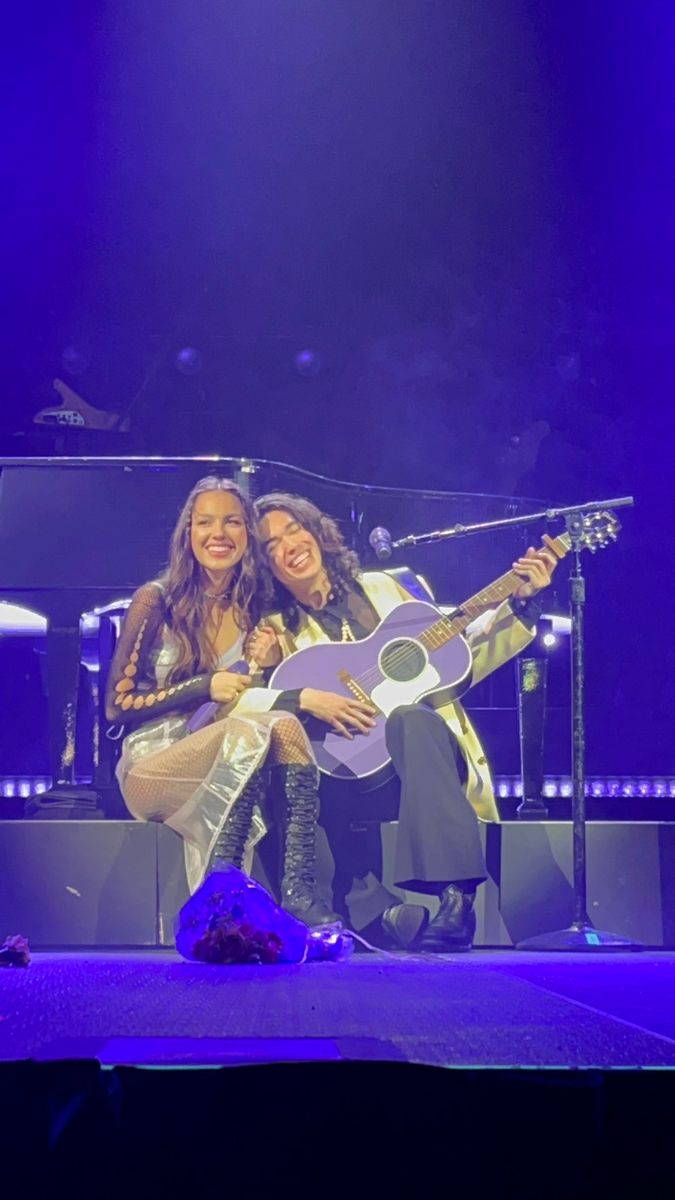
x: 199, y: 738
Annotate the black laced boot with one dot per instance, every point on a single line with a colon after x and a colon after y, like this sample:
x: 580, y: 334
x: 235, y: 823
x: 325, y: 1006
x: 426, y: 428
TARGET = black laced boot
x: 300, y: 787
x: 230, y: 844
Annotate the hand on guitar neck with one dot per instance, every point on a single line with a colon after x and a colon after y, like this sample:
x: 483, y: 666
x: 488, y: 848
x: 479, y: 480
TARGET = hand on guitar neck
x: 536, y: 567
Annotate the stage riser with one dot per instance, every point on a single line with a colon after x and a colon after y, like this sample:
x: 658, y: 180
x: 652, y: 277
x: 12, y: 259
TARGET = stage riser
x: 79, y: 883
x: 119, y: 883
x: 630, y: 880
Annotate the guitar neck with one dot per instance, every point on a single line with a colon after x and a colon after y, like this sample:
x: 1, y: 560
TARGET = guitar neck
x: 448, y: 627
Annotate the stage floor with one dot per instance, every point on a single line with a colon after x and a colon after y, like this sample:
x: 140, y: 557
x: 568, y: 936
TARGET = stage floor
x: 485, y: 1009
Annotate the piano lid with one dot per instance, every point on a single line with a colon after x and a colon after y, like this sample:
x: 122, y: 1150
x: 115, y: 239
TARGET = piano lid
x: 105, y: 522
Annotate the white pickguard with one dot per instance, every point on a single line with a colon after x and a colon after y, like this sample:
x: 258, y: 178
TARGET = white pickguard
x: 389, y: 694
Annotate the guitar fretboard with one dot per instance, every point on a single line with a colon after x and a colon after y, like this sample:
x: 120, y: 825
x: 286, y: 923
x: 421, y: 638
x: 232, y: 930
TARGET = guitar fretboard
x: 445, y: 628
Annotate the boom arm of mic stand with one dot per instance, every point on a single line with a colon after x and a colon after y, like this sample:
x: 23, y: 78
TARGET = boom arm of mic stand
x: 548, y: 514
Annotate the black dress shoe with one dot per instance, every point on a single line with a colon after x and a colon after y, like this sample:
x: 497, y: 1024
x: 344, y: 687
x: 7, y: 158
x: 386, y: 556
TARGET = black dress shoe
x: 404, y: 924
x: 454, y: 925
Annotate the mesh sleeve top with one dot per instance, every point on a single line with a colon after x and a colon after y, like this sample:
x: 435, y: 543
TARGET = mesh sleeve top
x: 132, y: 693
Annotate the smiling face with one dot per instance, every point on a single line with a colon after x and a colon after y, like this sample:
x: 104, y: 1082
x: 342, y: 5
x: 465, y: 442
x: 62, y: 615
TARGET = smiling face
x: 293, y: 553
x: 218, y: 536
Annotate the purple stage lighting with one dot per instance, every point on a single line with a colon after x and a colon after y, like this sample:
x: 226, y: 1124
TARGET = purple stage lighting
x: 308, y: 362
x: 568, y: 367
x: 506, y: 787
x: 75, y: 360
x: 189, y: 361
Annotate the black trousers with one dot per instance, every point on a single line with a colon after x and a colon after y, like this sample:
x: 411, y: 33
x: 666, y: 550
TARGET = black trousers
x: 437, y: 839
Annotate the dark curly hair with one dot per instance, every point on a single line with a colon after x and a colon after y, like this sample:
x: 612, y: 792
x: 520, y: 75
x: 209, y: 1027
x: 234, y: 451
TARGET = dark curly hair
x: 341, y: 563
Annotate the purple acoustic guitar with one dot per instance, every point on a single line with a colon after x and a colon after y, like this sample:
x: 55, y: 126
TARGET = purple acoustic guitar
x: 415, y: 655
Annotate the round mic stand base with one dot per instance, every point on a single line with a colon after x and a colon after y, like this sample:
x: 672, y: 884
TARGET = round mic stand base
x: 579, y: 938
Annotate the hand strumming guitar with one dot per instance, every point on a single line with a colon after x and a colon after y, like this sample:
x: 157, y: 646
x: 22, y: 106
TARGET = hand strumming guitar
x: 339, y: 712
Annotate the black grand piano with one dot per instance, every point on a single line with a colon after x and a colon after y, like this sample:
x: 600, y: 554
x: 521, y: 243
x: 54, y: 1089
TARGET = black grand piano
x: 78, y: 535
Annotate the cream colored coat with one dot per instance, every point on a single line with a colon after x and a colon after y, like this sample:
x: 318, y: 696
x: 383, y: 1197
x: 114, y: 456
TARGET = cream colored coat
x: 494, y: 639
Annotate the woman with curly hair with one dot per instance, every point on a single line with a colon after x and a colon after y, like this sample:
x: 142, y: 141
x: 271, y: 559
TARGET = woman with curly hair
x: 199, y: 736
x: 440, y: 784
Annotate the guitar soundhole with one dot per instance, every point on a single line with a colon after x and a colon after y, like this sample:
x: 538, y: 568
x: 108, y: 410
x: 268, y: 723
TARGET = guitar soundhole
x: 402, y: 660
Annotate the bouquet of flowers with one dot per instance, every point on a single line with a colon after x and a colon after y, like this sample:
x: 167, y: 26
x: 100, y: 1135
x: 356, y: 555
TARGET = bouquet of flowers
x: 232, y: 919
x: 14, y: 952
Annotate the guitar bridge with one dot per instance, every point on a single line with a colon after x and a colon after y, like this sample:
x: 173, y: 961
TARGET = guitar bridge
x: 356, y: 691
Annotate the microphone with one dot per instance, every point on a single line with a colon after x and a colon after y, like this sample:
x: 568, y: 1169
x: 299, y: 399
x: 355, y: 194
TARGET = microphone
x: 207, y: 711
x: 380, y: 541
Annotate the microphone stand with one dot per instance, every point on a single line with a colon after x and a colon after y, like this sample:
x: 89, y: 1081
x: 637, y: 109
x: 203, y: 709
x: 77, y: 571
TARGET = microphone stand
x: 548, y: 514
x: 581, y: 935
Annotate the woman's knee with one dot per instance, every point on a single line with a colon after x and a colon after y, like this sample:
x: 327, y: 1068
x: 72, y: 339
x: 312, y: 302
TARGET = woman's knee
x: 288, y: 741
x: 288, y: 725
x: 141, y: 798
x: 288, y: 731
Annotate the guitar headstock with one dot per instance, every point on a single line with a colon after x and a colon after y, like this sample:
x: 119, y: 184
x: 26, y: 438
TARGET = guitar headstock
x: 597, y: 530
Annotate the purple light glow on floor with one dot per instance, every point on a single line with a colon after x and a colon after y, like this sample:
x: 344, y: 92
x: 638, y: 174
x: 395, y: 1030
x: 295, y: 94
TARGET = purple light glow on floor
x: 489, y: 1009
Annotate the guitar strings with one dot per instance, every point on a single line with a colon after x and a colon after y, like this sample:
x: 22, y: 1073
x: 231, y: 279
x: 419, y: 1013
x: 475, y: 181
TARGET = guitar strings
x: 372, y: 675
x: 497, y: 591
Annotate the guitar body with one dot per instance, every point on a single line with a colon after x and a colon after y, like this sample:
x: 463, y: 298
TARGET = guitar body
x: 391, y: 667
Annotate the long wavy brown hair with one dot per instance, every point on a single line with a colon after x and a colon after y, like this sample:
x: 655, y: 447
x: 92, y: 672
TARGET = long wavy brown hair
x: 341, y: 563
x: 183, y: 585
